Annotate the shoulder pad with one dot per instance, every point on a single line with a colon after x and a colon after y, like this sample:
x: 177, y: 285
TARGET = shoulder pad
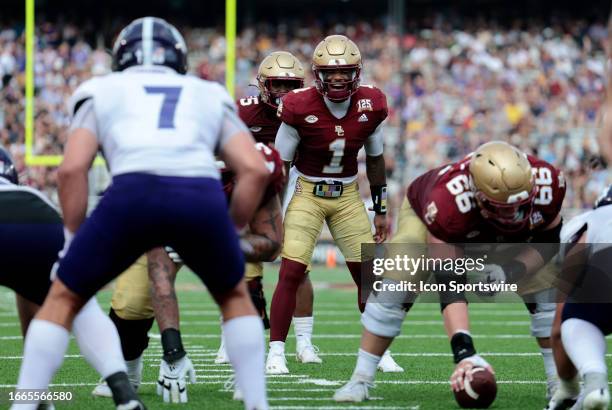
x: 83, y: 92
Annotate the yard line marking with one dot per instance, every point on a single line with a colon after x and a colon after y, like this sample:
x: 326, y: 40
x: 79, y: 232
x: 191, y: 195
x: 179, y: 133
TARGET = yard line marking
x: 344, y: 406
x: 310, y: 398
x: 356, y: 322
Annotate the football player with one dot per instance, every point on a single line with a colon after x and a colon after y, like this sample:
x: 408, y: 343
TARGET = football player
x: 26, y: 213
x: 586, y: 314
x: 131, y: 295
x: 278, y: 73
x: 496, y: 194
x: 323, y: 128
x: 160, y: 147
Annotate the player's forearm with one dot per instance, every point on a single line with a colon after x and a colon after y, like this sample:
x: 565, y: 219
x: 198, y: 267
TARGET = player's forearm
x: 162, y: 273
x: 375, y: 170
x: 246, y: 197
x: 73, y: 190
x: 259, y: 248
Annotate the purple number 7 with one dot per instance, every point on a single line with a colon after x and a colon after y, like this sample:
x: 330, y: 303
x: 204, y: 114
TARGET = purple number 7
x: 168, y: 108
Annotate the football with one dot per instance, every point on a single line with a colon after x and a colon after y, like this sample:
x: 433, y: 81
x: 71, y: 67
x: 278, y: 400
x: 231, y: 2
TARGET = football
x: 480, y: 392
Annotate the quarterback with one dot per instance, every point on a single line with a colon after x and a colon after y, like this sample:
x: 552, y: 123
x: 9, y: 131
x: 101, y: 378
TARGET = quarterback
x: 497, y: 194
x: 323, y: 128
x: 160, y: 149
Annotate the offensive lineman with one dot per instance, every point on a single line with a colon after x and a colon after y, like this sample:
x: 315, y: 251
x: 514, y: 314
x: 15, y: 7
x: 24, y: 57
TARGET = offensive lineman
x: 325, y: 126
x: 160, y: 152
x: 496, y: 194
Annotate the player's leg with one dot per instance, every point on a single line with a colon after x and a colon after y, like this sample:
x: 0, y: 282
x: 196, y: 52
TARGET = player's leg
x: 350, y: 228
x: 569, y: 383
x: 303, y: 222
x: 220, y: 265
x: 542, y: 315
x: 26, y: 311
x: 583, y: 331
x: 303, y: 323
x: 132, y: 314
x: 254, y: 278
x: 108, y: 242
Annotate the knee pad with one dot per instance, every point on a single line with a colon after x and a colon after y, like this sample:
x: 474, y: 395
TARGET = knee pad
x: 133, y: 334
x: 542, y: 318
x: 383, y: 318
x: 259, y: 300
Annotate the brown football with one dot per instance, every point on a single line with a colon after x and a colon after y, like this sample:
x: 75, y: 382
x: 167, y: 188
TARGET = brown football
x: 480, y: 392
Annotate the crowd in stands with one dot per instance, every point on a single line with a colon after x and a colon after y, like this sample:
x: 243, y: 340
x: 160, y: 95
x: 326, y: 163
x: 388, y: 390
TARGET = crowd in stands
x: 449, y: 88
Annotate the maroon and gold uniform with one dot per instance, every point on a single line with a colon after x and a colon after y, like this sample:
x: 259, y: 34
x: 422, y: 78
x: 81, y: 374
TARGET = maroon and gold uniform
x: 328, y: 145
x: 260, y: 118
x: 444, y: 202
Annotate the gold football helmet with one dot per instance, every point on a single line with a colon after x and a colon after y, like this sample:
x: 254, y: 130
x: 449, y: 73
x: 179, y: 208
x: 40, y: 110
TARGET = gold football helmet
x: 503, y: 185
x: 279, y: 73
x: 335, y: 53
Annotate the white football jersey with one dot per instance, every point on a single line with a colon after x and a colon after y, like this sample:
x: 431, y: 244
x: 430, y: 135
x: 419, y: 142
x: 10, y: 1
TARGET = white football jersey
x: 154, y: 120
x: 599, y: 228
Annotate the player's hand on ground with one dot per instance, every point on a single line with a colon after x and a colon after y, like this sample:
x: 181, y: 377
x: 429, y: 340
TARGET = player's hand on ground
x: 380, y: 224
x: 172, y: 383
x: 462, y: 370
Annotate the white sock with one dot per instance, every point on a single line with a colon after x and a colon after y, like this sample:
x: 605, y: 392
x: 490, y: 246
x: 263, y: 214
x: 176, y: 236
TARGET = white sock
x: 134, y: 370
x: 585, y: 345
x: 549, y: 364
x: 43, y: 354
x: 277, y: 347
x: 366, y: 366
x: 98, y: 339
x: 302, y: 327
x: 245, y: 346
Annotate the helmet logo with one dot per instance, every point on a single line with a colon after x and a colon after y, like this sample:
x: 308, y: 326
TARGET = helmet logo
x: 311, y: 119
x: 336, y: 61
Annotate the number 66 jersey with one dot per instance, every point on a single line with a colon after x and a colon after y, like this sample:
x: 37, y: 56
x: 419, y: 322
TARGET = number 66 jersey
x: 153, y: 120
x: 443, y: 200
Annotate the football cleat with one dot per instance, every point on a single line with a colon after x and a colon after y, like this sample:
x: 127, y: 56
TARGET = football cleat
x: 596, y: 400
x: 563, y: 398
x: 222, y: 357
x: 388, y: 365
x: 276, y: 363
x: 354, y: 391
x: 307, y: 353
x: 134, y: 373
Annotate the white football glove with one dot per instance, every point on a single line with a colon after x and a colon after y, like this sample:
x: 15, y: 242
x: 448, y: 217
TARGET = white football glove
x: 171, y: 384
x: 68, y: 237
x: 493, y: 274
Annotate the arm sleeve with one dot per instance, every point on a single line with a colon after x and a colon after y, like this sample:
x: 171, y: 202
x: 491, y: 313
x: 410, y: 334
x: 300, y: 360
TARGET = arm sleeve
x: 230, y: 126
x: 287, y: 140
x: 374, y: 143
x: 85, y: 117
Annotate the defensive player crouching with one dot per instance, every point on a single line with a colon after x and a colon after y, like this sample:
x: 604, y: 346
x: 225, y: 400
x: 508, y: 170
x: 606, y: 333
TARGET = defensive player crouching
x: 585, y: 316
x: 260, y: 243
x: 496, y: 194
x: 325, y: 126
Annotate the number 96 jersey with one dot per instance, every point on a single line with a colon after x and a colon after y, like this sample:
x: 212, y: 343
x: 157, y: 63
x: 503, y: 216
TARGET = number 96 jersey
x: 444, y: 202
x: 328, y: 145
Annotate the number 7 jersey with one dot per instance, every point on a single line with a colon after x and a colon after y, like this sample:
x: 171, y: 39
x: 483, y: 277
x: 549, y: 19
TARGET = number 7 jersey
x: 328, y: 145
x: 443, y: 200
x: 153, y: 120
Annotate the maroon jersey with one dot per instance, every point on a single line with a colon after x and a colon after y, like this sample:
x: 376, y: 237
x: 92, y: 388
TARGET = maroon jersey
x: 260, y: 118
x: 275, y: 181
x: 443, y: 200
x: 328, y: 146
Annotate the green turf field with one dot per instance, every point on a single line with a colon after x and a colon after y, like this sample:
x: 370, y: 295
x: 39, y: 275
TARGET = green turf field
x: 501, y: 335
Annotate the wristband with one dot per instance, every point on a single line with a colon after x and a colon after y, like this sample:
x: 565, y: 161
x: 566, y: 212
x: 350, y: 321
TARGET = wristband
x: 379, y: 198
x: 462, y: 346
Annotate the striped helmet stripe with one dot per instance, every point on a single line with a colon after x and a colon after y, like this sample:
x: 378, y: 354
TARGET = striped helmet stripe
x: 147, y: 41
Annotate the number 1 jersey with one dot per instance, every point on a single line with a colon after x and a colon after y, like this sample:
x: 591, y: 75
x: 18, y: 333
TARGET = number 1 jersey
x: 153, y: 120
x: 328, y: 145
